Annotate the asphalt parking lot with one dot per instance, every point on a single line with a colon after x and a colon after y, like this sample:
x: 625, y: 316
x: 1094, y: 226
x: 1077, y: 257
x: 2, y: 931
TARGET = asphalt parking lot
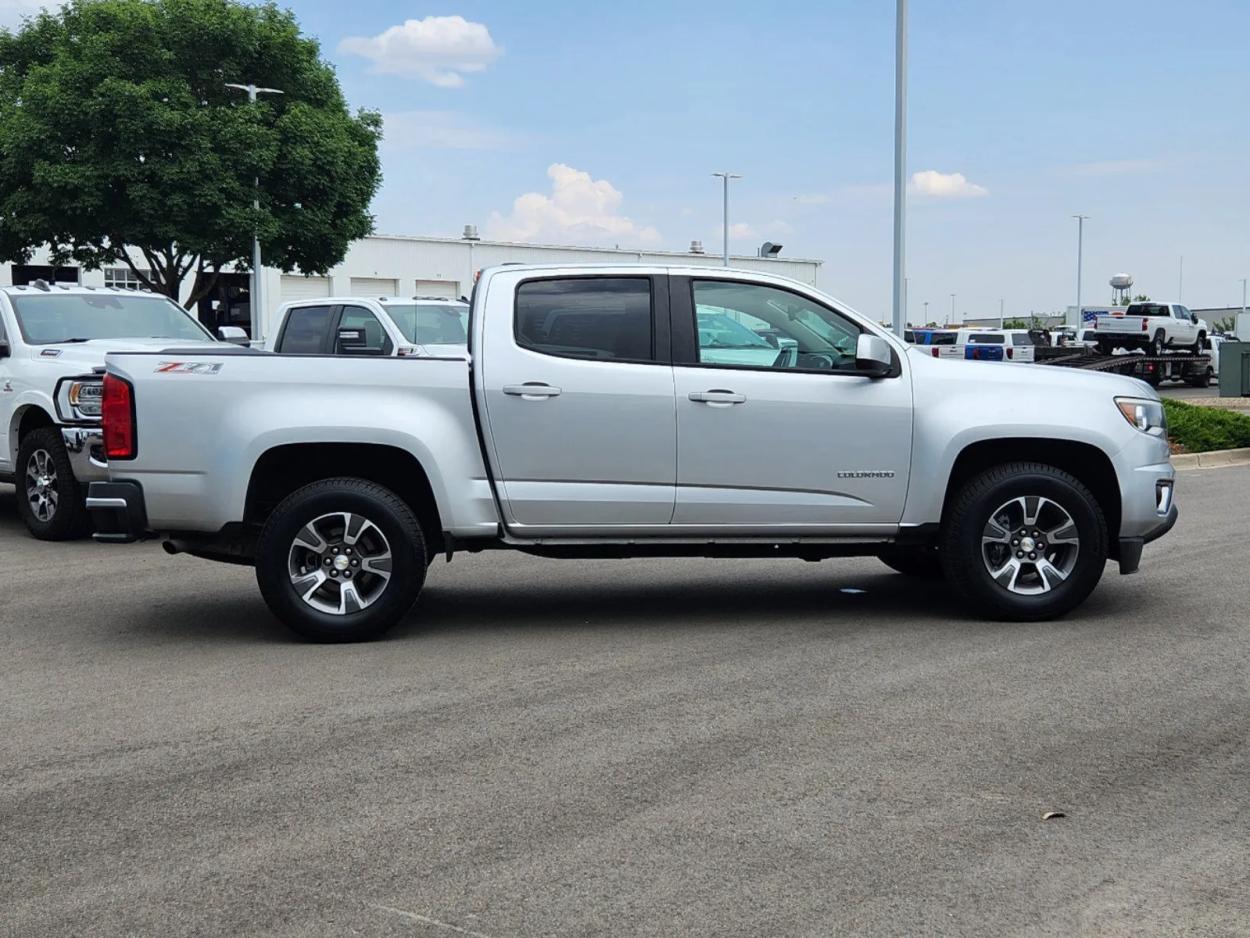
x: 628, y: 748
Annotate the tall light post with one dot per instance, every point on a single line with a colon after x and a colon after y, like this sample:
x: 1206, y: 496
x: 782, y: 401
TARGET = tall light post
x: 1080, y: 257
x: 257, y: 288
x: 1001, y: 303
x: 726, y: 176
x: 900, y: 164
x: 952, y: 319
x: 926, y: 312
x: 1243, y: 296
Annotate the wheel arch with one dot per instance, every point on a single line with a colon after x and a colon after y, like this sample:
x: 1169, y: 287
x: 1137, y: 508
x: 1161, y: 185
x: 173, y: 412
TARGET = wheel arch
x: 27, y: 417
x: 1085, y: 461
x: 282, y: 469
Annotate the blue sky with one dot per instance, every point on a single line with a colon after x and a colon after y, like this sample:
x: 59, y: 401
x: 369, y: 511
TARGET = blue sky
x: 605, y: 120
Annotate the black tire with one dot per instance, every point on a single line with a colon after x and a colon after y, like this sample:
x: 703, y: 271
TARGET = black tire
x: 1196, y: 348
x: 968, y: 518
x: 1202, y: 380
x: 401, y: 534
x: 1105, y: 347
x: 922, y: 562
x: 1155, y: 346
x: 55, y: 511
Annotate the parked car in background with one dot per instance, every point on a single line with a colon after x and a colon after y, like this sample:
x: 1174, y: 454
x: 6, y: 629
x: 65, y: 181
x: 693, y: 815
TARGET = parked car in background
x: 929, y: 336
x: 53, y: 339
x: 402, y: 327
x: 992, y: 345
x: 603, y: 415
x: 1154, y: 327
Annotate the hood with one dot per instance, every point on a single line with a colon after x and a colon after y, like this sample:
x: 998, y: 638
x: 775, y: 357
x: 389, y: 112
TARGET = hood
x: 1009, y: 377
x: 88, y: 355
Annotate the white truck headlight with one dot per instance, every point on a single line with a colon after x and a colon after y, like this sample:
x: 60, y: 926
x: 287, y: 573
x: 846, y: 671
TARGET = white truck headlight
x: 86, y: 397
x: 1147, y: 416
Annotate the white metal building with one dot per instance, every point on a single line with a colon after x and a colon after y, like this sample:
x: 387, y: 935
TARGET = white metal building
x: 399, y: 265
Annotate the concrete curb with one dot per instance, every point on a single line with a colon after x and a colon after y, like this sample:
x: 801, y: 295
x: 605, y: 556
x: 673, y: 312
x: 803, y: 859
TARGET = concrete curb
x: 1213, y: 460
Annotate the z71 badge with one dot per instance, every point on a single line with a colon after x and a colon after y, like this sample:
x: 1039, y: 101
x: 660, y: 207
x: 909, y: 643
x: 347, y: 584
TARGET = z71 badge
x: 189, y: 368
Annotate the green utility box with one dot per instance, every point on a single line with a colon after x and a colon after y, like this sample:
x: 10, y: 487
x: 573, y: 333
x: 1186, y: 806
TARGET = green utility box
x: 1235, y: 369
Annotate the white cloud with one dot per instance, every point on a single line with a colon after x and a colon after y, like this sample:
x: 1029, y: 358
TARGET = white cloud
x: 438, y: 48
x: 937, y: 185
x: 12, y: 12
x: 440, y: 130
x: 579, y: 210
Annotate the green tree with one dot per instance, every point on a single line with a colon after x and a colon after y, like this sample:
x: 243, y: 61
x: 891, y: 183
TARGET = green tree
x: 116, y: 129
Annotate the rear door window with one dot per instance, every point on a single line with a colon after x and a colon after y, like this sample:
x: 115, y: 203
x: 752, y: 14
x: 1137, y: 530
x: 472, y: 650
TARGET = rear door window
x: 986, y: 338
x: 602, y: 318
x: 307, y: 330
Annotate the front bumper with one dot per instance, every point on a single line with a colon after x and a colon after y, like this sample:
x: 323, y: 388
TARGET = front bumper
x: 118, y: 512
x: 85, y: 446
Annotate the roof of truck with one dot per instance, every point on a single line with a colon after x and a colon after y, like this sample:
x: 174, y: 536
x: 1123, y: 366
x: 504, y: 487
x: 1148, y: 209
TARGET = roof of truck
x: 41, y: 287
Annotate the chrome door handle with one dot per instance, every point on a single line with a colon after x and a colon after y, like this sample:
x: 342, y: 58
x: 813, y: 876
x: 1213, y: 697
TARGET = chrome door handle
x: 717, y: 396
x: 531, y: 391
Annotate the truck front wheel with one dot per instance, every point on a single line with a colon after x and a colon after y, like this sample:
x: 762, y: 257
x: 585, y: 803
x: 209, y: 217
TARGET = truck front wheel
x: 341, y: 560
x: 49, y: 499
x: 1024, y: 542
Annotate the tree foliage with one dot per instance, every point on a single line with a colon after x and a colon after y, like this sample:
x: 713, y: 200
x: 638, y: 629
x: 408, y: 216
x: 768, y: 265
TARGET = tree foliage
x: 117, y: 128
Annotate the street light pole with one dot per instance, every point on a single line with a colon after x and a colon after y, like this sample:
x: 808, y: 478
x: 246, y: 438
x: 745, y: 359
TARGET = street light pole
x: 1080, y: 257
x: 1000, y: 313
x: 952, y: 319
x: 900, y: 165
x: 1243, y: 296
x: 257, y: 280
x: 926, y: 312
x: 726, y: 176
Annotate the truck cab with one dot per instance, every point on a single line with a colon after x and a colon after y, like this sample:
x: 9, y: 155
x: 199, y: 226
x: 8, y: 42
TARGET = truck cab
x: 382, y: 326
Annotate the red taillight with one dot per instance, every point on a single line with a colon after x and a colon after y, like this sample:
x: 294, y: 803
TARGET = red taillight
x: 118, y: 412
x: 1011, y: 353
x: 937, y: 353
x: 1144, y: 325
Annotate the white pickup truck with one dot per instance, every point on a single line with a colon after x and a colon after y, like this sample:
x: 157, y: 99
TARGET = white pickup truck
x: 53, y: 339
x: 598, y: 412
x: 357, y: 325
x: 988, y: 345
x: 1153, y: 327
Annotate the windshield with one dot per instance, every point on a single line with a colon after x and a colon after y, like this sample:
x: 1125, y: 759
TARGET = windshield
x: 79, y: 317
x: 432, y: 324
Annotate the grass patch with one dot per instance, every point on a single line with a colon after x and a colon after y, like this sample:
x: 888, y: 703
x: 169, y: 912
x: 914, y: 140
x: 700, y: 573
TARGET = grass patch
x: 1198, y: 429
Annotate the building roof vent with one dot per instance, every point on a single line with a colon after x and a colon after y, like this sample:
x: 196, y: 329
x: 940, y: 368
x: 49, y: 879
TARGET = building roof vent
x: 470, y: 233
x: 696, y: 247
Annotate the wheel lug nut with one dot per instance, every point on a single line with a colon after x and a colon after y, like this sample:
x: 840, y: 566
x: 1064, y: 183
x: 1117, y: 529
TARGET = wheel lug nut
x: 1015, y: 541
x: 329, y: 561
x: 355, y: 563
x: 1032, y: 556
x: 348, y: 551
x: 334, y: 573
x: 347, y: 574
x: 1019, y: 553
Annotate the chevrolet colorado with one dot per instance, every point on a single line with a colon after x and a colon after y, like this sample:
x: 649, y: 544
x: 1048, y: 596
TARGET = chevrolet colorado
x: 603, y: 412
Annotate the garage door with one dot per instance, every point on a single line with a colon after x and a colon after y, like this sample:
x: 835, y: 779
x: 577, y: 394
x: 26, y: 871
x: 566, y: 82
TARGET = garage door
x: 440, y: 288
x: 295, y: 287
x: 373, y: 286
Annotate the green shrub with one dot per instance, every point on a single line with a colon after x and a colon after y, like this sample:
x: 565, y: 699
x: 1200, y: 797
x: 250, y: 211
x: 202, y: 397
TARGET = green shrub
x: 1202, y: 429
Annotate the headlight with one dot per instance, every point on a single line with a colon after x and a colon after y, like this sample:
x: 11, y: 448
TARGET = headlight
x: 86, y: 397
x: 1146, y: 416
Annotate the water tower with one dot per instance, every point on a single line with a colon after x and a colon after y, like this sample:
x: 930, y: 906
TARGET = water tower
x: 1122, y: 287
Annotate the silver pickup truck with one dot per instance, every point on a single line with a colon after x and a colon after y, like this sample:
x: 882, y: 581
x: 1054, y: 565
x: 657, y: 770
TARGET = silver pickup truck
x: 623, y: 411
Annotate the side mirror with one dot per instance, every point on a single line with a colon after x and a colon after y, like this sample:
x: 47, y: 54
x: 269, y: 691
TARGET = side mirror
x: 1193, y: 317
x: 5, y: 351
x: 352, y: 341
x: 873, y: 356
x: 773, y: 341
x: 233, y: 335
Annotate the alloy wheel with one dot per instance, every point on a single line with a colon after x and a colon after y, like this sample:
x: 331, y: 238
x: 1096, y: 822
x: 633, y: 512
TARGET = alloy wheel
x: 41, y: 491
x: 1030, y: 545
x: 340, y: 563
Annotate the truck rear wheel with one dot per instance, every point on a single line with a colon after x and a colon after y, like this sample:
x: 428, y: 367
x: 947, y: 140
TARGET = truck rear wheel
x: 1024, y: 542
x: 1156, y: 344
x: 49, y: 500
x: 341, y: 560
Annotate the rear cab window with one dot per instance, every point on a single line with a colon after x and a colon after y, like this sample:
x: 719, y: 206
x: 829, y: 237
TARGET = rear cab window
x: 306, y: 330
x: 597, y: 318
x: 1148, y: 309
x: 987, y: 338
